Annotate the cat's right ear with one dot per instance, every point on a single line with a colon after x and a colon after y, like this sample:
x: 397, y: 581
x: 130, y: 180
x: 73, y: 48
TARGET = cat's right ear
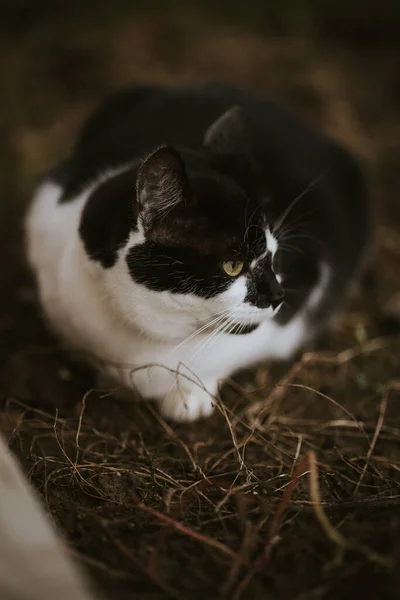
x: 161, y: 182
x: 228, y: 134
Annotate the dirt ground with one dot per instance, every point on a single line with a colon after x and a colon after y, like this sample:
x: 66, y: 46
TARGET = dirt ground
x: 292, y: 490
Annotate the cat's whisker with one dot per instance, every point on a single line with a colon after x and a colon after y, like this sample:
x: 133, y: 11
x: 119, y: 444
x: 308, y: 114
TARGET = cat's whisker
x: 286, y: 212
x: 226, y: 327
x: 189, y: 364
x: 202, y: 328
x: 249, y: 224
x: 287, y: 304
x: 216, y: 331
x: 250, y: 227
x: 206, y: 342
x: 214, y: 337
x: 211, y: 338
x: 291, y: 248
x: 301, y: 220
x: 241, y: 328
x: 300, y: 236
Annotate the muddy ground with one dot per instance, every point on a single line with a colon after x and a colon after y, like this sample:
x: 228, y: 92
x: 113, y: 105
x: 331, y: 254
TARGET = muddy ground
x: 292, y: 490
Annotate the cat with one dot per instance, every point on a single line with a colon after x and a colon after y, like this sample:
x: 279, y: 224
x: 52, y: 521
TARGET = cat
x: 193, y: 232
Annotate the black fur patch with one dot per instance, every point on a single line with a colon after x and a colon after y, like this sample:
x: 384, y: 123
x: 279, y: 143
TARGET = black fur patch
x: 108, y: 217
x: 61, y: 173
x: 260, y: 164
x: 179, y: 270
x: 243, y: 330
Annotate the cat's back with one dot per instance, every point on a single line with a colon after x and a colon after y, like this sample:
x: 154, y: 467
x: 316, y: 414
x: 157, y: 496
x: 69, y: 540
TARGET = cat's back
x: 136, y: 120
x: 291, y: 154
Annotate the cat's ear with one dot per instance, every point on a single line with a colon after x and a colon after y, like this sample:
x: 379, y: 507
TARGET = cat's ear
x: 161, y: 182
x: 228, y: 134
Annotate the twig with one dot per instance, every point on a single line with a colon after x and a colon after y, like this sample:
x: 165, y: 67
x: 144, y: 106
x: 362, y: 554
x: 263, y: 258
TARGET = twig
x: 381, y: 418
x: 171, y: 433
x: 343, y: 408
x: 78, y: 431
x: 97, y: 564
x: 371, y: 346
x: 315, y: 495
x: 188, y: 531
x: 125, y: 551
x: 240, y: 558
x: 332, y: 533
x: 261, y: 562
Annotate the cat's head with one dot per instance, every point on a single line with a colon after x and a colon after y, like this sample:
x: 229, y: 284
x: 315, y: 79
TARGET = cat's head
x: 208, y: 247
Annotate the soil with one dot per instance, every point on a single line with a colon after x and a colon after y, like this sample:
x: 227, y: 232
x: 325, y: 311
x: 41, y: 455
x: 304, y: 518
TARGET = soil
x: 292, y: 490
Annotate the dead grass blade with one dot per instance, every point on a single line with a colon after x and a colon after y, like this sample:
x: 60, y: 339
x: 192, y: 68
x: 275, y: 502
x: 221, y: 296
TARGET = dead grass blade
x: 185, y: 530
x: 261, y: 562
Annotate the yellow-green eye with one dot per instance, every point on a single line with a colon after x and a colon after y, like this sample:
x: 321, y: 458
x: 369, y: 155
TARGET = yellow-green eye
x: 233, y: 268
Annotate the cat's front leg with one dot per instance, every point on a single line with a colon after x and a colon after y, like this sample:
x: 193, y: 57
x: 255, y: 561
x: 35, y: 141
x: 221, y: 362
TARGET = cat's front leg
x: 187, y: 401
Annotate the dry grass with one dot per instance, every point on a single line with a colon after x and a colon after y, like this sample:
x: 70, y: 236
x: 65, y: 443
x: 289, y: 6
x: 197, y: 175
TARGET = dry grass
x: 285, y: 477
x: 292, y: 490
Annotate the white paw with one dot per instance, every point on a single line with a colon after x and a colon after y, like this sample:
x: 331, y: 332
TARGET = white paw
x: 183, y: 406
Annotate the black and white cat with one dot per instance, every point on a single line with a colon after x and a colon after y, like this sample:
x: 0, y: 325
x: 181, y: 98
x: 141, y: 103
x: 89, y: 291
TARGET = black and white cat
x: 195, y: 231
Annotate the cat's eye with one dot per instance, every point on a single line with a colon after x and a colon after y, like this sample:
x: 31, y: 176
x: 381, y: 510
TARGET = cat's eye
x: 233, y: 268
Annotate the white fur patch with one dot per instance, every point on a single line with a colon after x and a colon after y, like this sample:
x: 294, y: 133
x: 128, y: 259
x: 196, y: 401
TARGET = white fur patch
x: 272, y: 242
x: 272, y: 247
x: 318, y: 292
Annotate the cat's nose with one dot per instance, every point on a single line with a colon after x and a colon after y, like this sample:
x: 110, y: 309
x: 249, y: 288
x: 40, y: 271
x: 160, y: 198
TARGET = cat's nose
x: 277, y: 298
x: 276, y: 293
x: 270, y: 292
x: 276, y: 303
x: 271, y: 295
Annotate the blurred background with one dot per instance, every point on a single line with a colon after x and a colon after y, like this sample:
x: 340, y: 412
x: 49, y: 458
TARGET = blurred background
x: 338, y: 63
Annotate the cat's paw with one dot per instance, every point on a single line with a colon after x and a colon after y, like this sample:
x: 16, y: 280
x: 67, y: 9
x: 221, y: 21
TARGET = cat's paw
x: 185, y: 406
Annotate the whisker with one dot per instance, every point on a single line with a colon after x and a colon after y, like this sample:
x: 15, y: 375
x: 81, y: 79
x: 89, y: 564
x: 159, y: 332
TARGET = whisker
x: 228, y: 326
x: 255, y: 226
x: 287, y: 304
x: 208, y: 339
x: 202, y: 328
x: 291, y: 248
x: 295, y: 223
x: 248, y: 223
x: 300, y: 236
x: 286, y: 212
x: 188, y: 365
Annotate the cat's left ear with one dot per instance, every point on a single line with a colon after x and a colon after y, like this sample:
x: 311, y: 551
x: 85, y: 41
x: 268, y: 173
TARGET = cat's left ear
x: 161, y: 181
x: 228, y: 134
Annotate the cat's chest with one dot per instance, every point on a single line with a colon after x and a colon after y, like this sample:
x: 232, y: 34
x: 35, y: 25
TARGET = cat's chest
x: 223, y: 353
